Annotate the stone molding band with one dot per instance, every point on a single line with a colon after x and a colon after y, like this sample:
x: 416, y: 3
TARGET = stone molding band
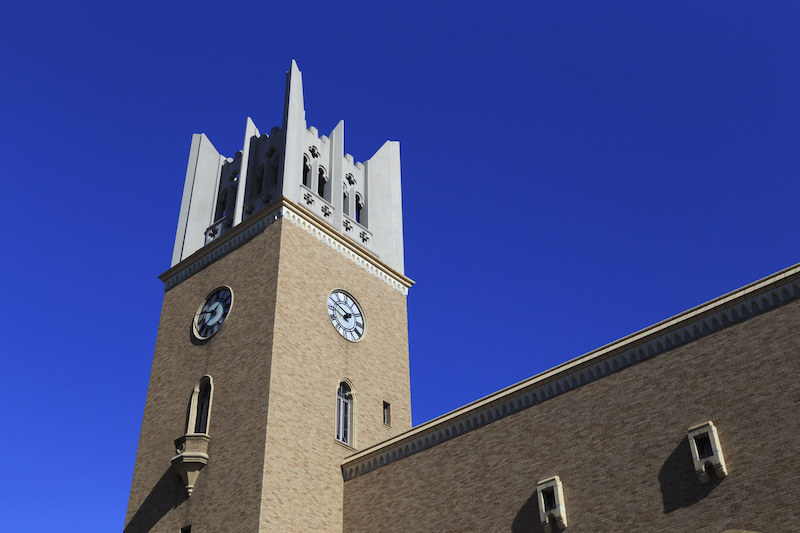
x: 733, y: 308
x: 301, y: 218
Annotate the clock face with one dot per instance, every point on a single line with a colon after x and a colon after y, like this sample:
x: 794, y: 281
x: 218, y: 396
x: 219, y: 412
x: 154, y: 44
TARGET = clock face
x: 213, y: 312
x: 345, y: 315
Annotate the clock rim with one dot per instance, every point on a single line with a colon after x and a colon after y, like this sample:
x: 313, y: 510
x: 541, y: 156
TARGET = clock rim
x: 195, y: 331
x: 360, y: 310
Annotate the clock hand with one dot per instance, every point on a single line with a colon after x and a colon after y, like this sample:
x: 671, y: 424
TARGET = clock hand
x: 345, y: 315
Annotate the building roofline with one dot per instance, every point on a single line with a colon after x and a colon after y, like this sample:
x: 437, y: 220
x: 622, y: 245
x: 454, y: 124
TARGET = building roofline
x: 719, y: 313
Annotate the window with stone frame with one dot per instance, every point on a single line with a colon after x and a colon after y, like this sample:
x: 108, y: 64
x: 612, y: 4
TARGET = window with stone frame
x: 344, y: 414
x: 197, y: 414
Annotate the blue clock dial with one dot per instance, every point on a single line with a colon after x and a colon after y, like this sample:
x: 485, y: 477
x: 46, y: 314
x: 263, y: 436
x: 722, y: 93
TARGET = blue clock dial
x: 213, y: 312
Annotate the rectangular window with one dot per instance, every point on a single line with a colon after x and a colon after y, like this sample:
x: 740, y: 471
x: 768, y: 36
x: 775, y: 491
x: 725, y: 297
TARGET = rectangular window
x: 552, y: 511
x: 706, y: 451
x: 703, y: 443
x: 187, y: 529
x: 387, y: 413
x: 549, y: 497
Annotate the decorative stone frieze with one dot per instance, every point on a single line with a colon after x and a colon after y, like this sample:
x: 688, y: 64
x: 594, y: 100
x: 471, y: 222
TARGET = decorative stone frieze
x: 293, y: 213
x: 343, y: 247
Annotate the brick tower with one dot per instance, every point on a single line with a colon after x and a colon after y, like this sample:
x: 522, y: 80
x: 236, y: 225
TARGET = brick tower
x: 282, y: 346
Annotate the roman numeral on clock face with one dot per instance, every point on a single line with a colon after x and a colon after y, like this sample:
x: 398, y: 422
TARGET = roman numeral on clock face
x: 346, y: 315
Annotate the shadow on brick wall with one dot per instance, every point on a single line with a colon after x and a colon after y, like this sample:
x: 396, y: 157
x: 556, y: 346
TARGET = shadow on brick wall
x: 167, y: 494
x: 680, y: 487
x: 527, y: 518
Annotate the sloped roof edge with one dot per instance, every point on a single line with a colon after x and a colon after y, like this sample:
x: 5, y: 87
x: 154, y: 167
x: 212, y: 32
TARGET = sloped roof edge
x: 732, y: 308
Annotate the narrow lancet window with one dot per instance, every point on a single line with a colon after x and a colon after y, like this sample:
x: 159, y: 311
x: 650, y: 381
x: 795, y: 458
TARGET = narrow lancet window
x: 203, y: 403
x: 259, y: 184
x: 359, y: 208
x: 273, y: 172
x: 199, y: 407
x: 322, y: 184
x: 192, y: 447
x: 306, y: 172
x: 222, y: 202
x: 344, y: 414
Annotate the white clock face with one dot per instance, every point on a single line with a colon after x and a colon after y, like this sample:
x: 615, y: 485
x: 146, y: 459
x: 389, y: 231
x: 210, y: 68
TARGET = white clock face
x: 345, y: 315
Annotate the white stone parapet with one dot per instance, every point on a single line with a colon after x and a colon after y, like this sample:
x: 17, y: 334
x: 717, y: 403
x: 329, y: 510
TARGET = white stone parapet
x: 304, y: 219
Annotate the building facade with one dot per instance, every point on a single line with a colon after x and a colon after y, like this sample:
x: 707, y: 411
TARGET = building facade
x: 279, y: 397
x: 633, y: 431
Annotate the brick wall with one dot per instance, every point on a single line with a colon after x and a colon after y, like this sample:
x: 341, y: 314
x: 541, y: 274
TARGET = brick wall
x: 273, y: 464
x: 306, y: 372
x: 238, y: 360
x: 619, y: 446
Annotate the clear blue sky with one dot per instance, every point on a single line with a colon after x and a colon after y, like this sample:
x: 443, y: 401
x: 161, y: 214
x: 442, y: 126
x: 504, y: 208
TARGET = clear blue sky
x: 572, y: 172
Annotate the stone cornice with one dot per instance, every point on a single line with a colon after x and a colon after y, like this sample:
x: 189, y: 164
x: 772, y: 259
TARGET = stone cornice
x: 350, y: 249
x: 710, y: 317
x: 304, y: 219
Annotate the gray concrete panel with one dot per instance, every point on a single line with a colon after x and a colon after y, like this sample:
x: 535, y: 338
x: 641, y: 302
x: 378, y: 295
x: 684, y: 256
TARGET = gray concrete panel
x: 199, y: 197
x: 384, y: 204
x: 250, y: 131
x: 294, y: 125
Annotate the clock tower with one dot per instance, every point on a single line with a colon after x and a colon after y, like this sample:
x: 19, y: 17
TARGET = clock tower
x: 282, y: 347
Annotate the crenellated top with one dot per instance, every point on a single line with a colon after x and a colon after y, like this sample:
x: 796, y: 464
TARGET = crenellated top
x: 362, y: 201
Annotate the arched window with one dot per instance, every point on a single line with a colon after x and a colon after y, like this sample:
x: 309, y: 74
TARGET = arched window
x: 359, y: 209
x: 197, y: 414
x: 306, y: 172
x: 345, y: 203
x: 222, y: 202
x: 259, y: 184
x: 344, y: 414
x: 322, y: 184
x: 273, y: 172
